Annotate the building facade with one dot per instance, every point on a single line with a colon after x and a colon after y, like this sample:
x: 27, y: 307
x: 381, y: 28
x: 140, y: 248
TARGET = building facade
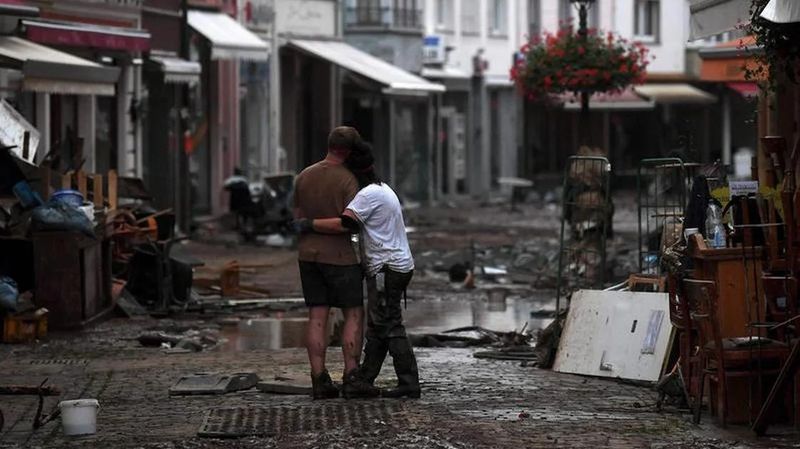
x: 675, y: 113
x: 400, y: 125
x: 84, y: 123
x: 469, y: 47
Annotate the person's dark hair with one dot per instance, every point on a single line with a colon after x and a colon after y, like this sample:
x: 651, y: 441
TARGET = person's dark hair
x: 343, y: 138
x: 361, y: 162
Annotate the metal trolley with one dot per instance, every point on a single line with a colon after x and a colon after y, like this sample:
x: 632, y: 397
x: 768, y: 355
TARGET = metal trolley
x: 586, y: 215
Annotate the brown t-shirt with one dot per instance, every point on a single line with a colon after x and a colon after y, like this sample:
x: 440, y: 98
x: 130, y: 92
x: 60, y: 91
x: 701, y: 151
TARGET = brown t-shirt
x: 323, y: 190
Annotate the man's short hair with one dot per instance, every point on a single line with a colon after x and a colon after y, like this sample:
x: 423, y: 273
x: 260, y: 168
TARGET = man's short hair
x: 343, y: 138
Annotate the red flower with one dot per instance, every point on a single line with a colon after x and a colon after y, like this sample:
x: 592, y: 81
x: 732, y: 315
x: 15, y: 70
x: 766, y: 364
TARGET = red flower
x: 581, y: 50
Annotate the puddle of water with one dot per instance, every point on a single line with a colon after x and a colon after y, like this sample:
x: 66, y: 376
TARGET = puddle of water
x: 422, y: 316
x: 264, y: 333
x: 433, y: 316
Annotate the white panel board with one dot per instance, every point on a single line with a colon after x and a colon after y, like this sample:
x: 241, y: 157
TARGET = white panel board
x: 615, y: 334
x: 13, y: 127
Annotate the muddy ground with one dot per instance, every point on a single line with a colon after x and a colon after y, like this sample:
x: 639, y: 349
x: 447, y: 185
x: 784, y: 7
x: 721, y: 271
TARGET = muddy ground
x: 467, y: 402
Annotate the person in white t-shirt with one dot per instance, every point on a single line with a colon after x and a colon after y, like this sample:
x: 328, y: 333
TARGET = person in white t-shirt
x: 376, y: 213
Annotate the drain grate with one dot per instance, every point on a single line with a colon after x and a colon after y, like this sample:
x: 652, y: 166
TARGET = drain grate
x: 270, y: 421
x: 59, y: 362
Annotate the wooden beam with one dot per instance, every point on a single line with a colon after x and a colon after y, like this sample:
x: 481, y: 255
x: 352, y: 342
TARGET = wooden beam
x: 112, y: 189
x: 97, y: 191
x: 81, y: 182
x: 66, y: 180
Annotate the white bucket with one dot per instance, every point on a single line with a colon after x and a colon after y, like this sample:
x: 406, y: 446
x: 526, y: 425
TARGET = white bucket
x: 79, y: 417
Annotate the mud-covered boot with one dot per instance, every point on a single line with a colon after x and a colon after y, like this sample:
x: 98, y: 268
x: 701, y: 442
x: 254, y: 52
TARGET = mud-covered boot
x: 355, y: 386
x: 374, y: 354
x: 322, y: 387
x: 405, y: 366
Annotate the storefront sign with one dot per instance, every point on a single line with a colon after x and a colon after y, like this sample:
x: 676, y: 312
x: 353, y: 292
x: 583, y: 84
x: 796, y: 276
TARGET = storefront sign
x: 433, y: 51
x: 312, y: 18
x: 743, y: 188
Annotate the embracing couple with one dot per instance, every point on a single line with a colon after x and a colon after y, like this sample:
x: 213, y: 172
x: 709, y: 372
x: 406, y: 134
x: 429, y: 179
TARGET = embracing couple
x: 334, y: 198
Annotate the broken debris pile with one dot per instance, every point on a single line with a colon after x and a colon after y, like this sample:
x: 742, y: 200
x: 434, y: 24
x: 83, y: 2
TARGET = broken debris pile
x: 530, y: 262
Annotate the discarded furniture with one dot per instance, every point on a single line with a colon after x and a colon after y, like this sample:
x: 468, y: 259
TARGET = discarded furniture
x: 661, y: 185
x: 24, y: 327
x: 736, y: 272
x: 686, y: 336
x: 724, y: 358
x: 73, y: 277
x: 227, y: 279
x: 789, y: 375
x: 586, y: 220
x: 615, y: 334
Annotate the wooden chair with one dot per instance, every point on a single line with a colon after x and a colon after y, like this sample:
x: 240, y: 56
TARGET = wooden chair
x: 725, y: 358
x: 685, y: 336
x: 779, y: 294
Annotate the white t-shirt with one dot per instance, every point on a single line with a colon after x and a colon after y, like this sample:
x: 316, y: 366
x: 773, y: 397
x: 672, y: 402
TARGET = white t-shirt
x: 384, y: 234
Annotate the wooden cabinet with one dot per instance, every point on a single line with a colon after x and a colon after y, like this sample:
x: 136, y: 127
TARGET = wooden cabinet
x: 73, y: 275
x: 737, y: 273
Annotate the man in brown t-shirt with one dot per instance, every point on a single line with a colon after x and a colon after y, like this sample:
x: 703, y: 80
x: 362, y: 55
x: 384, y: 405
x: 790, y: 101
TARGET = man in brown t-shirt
x: 329, y: 270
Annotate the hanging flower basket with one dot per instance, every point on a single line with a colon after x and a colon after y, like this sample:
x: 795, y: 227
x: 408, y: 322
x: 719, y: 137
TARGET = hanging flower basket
x: 566, y: 63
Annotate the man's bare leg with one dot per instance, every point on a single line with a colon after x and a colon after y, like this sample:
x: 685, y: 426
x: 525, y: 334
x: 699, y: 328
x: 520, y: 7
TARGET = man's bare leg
x: 352, y: 335
x: 316, y: 337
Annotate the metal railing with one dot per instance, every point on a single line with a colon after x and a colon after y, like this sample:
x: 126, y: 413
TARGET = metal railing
x: 385, y: 17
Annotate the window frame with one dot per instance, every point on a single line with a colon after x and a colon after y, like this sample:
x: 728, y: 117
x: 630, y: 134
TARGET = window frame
x: 447, y: 24
x: 497, y: 14
x: 534, y: 18
x: 475, y: 18
x: 642, y: 9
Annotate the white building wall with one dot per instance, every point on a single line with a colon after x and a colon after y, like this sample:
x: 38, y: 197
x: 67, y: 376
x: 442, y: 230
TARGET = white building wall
x: 618, y: 16
x: 498, y: 50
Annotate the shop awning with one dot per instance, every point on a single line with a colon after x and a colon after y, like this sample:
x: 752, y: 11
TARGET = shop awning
x: 229, y: 39
x: 710, y: 17
x: 87, y: 36
x: 745, y: 89
x: 782, y: 11
x: 17, y: 8
x: 175, y: 69
x: 443, y: 73
x: 394, y: 79
x: 52, y: 71
x: 625, y: 100
x: 498, y: 81
x: 678, y: 93
x: 727, y: 61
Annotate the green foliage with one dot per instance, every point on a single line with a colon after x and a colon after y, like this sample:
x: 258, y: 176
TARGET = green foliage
x: 780, y: 48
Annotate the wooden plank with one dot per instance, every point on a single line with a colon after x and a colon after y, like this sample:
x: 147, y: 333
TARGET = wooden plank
x: 112, y: 189
x: 81, y: 182
x: 66, y: 180
x: 97, y: 191
x: 29, y: 390
x: 47, y: 182
x: 788, y: 371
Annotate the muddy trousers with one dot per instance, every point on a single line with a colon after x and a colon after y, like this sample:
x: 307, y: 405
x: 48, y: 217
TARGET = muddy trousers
x: 385, y: 330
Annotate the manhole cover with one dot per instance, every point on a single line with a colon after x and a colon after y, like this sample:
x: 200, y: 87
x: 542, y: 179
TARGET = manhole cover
x: 269, y: 421
x: 59, y: 362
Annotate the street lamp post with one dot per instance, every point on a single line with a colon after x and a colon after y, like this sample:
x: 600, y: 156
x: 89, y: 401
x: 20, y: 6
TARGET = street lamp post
x: 583, y: 7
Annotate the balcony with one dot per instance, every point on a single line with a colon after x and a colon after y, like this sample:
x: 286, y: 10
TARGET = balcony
x: 383, y: 18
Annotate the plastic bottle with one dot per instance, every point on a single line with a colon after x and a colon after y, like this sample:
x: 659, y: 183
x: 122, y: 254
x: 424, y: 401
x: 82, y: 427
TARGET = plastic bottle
x: 715, y: 231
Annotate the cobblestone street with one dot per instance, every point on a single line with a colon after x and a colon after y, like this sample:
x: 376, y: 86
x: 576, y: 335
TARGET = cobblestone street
x: 467, y: 402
